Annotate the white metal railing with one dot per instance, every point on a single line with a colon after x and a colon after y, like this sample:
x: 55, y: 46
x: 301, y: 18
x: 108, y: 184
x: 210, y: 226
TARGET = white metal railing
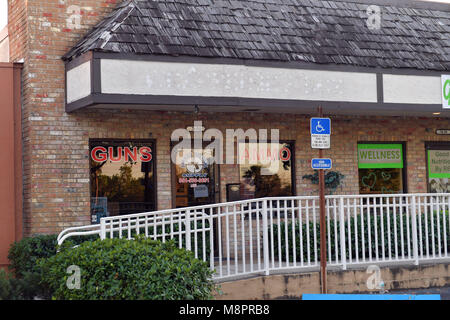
x: 262, y: 236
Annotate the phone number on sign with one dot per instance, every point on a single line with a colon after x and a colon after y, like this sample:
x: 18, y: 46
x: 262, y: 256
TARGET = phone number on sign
x: 193, y: 180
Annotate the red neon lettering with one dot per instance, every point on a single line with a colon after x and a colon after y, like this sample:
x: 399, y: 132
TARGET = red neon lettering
x: 146, y: 154
x: 102, y: 157
x: 131, y: 155
x: 288, y: 154
x: 111, y: 154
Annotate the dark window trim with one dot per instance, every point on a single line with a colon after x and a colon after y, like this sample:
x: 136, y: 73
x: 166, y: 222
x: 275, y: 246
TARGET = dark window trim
x: 433, y: 145
x: 173, y: 178
x: 119, y: 140
x: 405, y: 160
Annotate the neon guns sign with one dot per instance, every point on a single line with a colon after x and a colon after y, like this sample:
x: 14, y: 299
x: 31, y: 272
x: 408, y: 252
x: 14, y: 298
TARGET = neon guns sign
x: 102, y: 154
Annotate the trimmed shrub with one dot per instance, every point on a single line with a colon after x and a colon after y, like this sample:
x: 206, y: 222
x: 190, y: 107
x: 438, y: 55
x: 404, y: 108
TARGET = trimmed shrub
x: 115, y: 269
x: 197, y: 236
x: 24, y: 256
x: 8, y: 289
x: 12, y: 288
x: 25, y: 253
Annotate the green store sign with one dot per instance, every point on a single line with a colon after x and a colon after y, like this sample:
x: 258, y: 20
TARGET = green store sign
x: 438, y: 164
x: 372, y: 156
x: 445, y: 91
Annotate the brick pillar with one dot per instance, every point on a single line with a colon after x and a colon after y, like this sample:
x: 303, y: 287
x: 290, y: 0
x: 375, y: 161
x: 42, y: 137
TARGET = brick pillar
x: 56, y: 172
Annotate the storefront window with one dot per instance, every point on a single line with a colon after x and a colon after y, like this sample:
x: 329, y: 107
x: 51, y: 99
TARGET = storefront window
x: 266, y: 169
x: 122, y: 178
x: 380, y: 168
x: 438, y: 163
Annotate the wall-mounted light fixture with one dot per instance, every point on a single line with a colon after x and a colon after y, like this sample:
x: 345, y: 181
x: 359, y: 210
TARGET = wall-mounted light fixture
x: 196, y: 109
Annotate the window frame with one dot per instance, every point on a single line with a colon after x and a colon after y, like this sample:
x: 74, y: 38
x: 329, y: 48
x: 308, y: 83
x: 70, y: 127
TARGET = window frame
x: 119, y: 140
x: 293, y: 172
x: 405, y: 162
x: 173, y: 176
x: 433, y: 145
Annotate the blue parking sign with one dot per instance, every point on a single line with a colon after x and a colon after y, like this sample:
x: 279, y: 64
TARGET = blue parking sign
x: 321, y: 163
x: 321, y: 126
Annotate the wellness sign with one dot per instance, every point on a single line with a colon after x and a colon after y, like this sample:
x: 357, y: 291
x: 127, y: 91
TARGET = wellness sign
x: 438, y: 164
x: 372, y: 156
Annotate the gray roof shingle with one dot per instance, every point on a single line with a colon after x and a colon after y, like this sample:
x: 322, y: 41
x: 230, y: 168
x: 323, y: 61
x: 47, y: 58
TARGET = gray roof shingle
x: 324, y: 32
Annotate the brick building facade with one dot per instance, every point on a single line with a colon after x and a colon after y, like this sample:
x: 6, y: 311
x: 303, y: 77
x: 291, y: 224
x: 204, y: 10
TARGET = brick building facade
x: 56, y: 166
x: 53, y: 181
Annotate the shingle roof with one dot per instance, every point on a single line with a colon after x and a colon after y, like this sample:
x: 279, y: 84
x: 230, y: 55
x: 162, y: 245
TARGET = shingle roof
x: 315, y: 31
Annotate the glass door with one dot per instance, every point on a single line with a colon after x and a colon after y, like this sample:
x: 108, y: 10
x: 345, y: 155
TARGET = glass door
x: 195, y: 178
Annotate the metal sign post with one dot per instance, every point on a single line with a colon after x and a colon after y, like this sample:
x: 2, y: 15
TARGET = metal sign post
x: 320, y: 139
x: 323, y: 247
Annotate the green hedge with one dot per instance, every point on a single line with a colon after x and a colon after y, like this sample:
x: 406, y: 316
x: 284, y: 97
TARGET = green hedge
x: 10, y: 288
x: 25, y: 253
x: 24, y: 256
x: 122, y: 269
x: 176, y: 239
x: 366, y: 240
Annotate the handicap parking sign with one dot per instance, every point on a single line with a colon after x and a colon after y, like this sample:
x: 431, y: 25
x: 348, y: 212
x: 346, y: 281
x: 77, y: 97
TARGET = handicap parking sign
x: 320, y: 133
x: 320, y: 126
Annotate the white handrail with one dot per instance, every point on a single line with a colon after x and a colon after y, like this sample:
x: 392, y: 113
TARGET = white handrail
x: 267, y: 235
x: 70, y: 232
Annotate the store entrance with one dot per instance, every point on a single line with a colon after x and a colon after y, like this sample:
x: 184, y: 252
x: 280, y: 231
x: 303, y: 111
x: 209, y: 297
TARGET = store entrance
x: 195, y: 178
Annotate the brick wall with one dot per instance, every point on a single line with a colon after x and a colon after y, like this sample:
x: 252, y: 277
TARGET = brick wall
x: 53, y: 184
x: 4, y: 45
x: 17, y: 26
x: 56, y: 150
